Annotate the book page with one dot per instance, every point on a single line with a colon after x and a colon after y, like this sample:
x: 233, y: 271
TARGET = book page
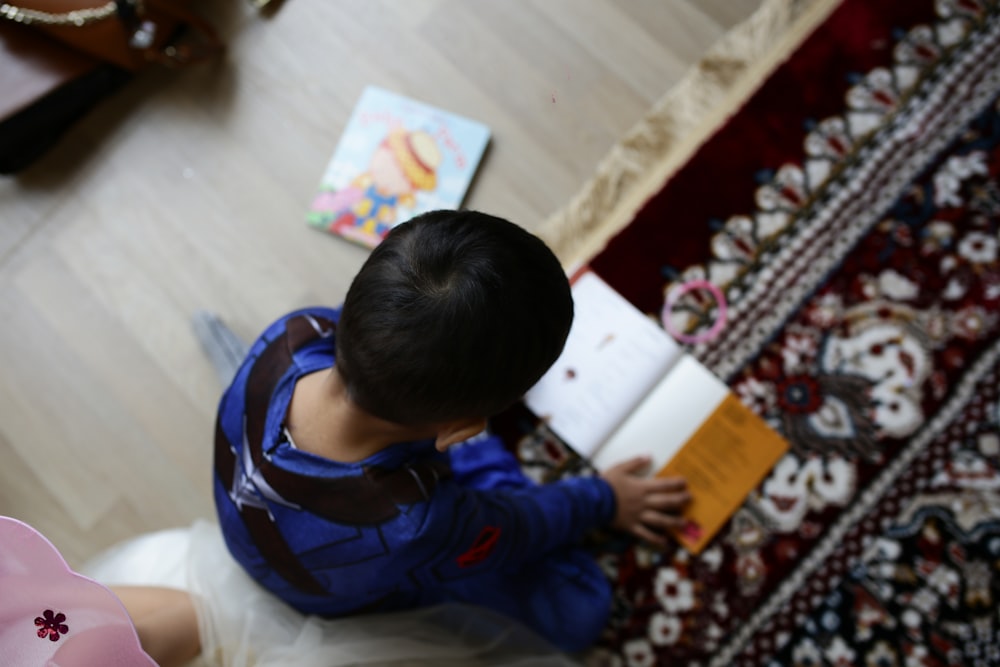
x: 723, y: 462
x: 672, y: 412
x: 613, y: 357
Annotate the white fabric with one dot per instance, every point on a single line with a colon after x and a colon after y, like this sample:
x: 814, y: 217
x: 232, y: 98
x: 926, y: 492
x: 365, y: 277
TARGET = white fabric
x: 242, y: 625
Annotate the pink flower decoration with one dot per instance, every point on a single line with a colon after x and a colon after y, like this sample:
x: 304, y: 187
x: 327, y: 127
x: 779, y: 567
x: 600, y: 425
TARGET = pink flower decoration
x: 50, y: 615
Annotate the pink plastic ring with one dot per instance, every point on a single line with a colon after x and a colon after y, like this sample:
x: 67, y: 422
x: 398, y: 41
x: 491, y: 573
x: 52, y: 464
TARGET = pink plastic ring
x: 676, y: 293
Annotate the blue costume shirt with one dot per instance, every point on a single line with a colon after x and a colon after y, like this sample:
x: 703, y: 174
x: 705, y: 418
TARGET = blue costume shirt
x: 404, y: 528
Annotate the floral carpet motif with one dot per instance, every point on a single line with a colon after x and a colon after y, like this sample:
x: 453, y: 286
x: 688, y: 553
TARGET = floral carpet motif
x: 850, y: 213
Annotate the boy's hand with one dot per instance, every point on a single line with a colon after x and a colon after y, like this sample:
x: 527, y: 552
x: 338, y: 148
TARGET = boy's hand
x: 646, y: 507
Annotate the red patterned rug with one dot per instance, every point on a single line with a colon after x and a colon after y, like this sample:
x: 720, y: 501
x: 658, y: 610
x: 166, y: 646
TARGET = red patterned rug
x: 850, y: 211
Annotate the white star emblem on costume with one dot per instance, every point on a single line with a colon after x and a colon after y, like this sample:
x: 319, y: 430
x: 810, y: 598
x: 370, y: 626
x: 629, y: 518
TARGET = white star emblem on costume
x: 250, y: 489
x: 323, y: 333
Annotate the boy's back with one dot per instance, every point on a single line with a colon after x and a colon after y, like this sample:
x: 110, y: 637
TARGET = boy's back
x: 450, y: 320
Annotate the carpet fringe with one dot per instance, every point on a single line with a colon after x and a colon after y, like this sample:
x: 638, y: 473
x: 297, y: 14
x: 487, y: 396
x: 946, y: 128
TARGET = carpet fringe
x: 678, y: 124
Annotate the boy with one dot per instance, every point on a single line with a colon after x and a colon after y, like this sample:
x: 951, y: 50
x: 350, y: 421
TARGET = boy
x: 344, y: 481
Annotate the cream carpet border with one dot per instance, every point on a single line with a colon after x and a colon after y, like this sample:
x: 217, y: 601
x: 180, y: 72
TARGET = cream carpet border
x: 678, y: 124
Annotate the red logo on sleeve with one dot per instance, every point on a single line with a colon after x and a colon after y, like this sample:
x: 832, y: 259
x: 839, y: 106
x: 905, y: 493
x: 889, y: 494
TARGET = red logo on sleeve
x: 481, y: 548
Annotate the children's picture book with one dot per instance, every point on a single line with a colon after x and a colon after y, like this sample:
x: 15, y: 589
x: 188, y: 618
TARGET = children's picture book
x: 623, y: 387
x: 396, y: 158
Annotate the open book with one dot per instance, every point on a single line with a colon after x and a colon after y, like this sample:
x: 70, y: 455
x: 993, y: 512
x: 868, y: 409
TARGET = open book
x: 622, y: 387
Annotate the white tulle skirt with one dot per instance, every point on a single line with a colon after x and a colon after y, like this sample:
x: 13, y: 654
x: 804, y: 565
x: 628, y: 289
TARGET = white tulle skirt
x: 242, y: 625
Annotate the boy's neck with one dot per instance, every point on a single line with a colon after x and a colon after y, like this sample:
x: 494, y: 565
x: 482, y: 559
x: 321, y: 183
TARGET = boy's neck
x: 323, y: 420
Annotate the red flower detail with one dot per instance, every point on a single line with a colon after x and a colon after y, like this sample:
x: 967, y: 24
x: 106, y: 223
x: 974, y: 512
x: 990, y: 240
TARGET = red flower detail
x: 692, y: 530
x: 836, y: 145
x: 784, y: 503
x: 51, y: 625
x: 554, y: 452
x: 769, y: 369
x: 481, y: 548
x: 799, y: 394
x: 925, y: 53
x: 903, y: 235
x: 969, y: 7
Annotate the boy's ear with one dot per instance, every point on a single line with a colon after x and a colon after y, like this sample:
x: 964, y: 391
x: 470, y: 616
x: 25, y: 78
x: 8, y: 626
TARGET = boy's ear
x: 460, y: 430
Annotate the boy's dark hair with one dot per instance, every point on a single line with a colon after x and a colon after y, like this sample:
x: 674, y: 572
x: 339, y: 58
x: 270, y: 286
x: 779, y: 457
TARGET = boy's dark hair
x: 455, y: 314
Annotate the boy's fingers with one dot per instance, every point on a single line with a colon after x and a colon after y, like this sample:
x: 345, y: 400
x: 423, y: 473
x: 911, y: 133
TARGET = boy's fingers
x: 660, y: 521
x: 666, y: 484
x: 668, y: 501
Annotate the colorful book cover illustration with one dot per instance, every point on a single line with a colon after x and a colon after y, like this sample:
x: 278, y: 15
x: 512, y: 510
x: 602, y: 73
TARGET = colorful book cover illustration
x: 397, y: 158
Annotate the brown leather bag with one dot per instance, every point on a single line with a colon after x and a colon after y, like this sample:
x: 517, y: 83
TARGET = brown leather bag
x: 58, y: 58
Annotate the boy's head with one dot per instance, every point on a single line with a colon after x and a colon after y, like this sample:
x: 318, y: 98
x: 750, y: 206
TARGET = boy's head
x: 454, y: 315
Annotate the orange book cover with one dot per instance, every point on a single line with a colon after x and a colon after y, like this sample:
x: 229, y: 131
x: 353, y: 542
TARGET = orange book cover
x: 726, y: 458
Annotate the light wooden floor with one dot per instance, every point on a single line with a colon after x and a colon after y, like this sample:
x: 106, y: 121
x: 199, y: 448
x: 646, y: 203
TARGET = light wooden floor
x: 188, y: 190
